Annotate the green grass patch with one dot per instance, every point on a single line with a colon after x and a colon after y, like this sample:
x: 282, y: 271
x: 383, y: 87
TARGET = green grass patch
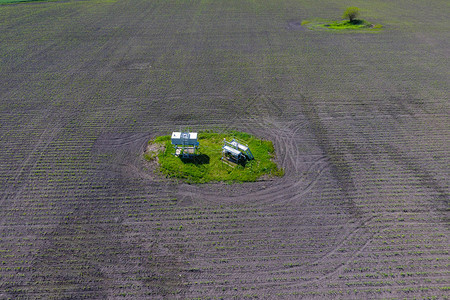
x: 344, y: 25
x: 207, y: 166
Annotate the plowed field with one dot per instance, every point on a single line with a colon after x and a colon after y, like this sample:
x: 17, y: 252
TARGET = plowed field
x: 359, y: 121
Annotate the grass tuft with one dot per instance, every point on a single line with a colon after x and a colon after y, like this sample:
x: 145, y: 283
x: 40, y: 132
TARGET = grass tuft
x: 357, y: 24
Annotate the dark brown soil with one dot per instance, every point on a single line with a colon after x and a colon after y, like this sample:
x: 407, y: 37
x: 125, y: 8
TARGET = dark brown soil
x: 359, y: 123
x: 296, y: 25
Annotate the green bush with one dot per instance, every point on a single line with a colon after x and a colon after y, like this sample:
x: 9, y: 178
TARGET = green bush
x: 351, y: 13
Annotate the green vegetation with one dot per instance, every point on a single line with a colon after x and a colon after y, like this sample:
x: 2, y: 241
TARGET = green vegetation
x: 354, y: 24
x: 208, y: 166
x: 359, y: 25
x: 351, y: 13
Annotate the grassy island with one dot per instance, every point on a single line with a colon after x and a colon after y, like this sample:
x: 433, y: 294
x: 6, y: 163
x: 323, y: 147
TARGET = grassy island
x: 343, y: 25
x: 207, y: 165
x: 353, y: 22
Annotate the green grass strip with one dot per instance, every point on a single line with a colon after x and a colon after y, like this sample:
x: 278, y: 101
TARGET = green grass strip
x: 345, y: 25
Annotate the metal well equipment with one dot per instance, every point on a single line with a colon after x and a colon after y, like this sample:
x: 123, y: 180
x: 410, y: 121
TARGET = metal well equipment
x: 236, y: 151
x: 185, y: 143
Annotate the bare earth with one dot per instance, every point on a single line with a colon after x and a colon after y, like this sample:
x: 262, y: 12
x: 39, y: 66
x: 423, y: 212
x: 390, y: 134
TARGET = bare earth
x: 359, y: 123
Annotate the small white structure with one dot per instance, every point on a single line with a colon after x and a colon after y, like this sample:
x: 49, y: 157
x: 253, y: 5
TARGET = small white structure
x: 243, y: 148
x: 233, y: 152
x: 185, y: 138
x: 236, y: 151
x: 185, y: 143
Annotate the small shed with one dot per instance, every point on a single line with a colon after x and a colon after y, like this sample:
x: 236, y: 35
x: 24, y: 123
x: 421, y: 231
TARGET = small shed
x: 185, y: 138
x: 185, y: 143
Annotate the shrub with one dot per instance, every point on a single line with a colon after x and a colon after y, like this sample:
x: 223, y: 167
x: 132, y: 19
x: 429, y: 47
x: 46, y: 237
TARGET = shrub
x: 351, y: 13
